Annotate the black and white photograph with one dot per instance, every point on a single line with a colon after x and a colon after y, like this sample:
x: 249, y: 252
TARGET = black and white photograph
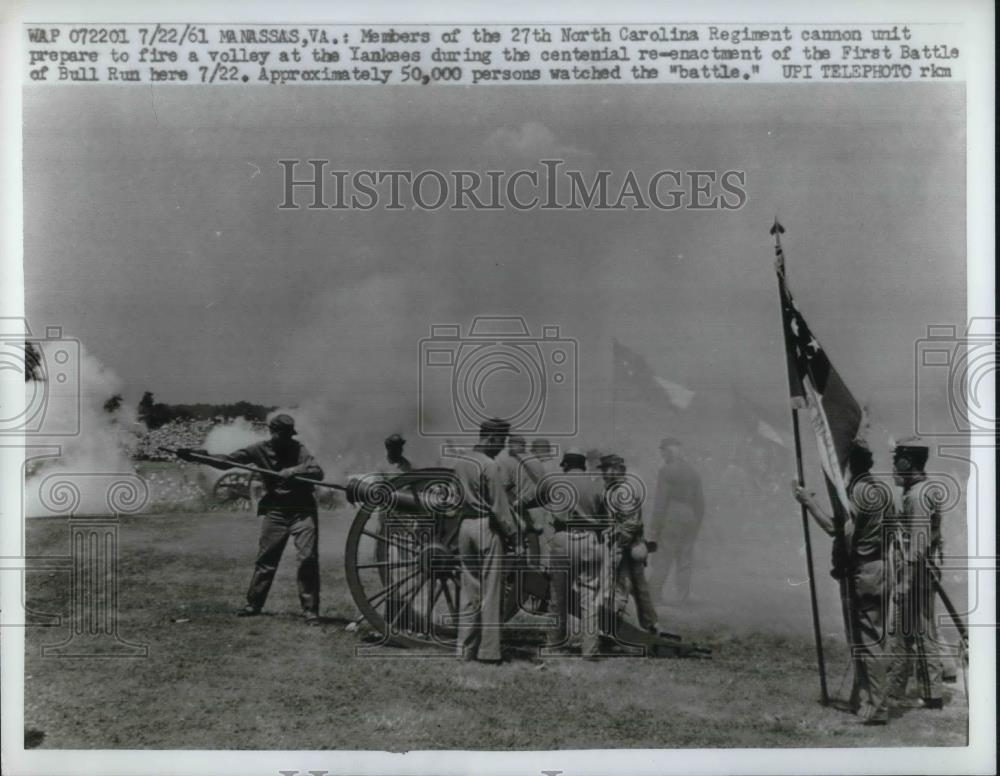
x: 368, y: 389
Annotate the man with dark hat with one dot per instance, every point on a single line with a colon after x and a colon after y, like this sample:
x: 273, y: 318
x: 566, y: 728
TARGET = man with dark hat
x: 289, y: 510
x: 860, y: 562
x: 576, y: 551
x: 486, y: 529
x: 394, y: 454
x: 677, y: 515
x: 916, y: 534
x: 628, y: 550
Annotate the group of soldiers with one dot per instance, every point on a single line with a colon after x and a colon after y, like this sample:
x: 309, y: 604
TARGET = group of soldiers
x: 591, y: 537
x: 884, y: 554
x: 595, y: 548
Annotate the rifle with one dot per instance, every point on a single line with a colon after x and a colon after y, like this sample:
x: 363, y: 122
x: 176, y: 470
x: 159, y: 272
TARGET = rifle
x: 963, y: 630
x: 211, y: 459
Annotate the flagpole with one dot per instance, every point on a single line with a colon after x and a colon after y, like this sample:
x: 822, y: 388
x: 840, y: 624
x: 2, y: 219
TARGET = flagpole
x: 777, y: 230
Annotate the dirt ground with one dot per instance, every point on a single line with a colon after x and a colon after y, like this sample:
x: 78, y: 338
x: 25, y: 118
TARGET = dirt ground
x: 212, y: 681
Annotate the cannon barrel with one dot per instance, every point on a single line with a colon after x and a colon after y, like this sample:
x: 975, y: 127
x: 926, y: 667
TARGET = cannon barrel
x: 422, y: 491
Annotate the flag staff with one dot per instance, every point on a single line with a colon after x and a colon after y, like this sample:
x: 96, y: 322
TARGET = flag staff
x: 777, y: 230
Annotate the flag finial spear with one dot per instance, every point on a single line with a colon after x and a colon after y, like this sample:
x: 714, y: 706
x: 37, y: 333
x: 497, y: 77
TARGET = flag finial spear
x: 779, y: 262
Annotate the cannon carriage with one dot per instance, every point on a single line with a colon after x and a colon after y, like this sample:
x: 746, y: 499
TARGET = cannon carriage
x: 403, y: 568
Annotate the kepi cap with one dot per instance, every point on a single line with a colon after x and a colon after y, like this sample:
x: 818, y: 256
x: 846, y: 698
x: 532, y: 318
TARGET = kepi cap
x: 611, y: 459
x: 494, y: 426
x: 282, y: 422
x: 394, y: 440
x: 913, y: 448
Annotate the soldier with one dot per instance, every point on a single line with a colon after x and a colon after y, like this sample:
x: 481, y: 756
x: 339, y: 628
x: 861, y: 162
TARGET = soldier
x: 627, y: 551
x: 576, y: 545
x: 486, y: 529
x: 676, y: 520
x: 534, y: 518
x: 519, y: 483
x: 289, y: 510
x: 913, y: 532
x: 394, y: 455
x: 860, y: 560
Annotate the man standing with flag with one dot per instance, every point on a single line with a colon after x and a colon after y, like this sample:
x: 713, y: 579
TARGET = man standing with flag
x: 858, y: 559
x: 835, y: 415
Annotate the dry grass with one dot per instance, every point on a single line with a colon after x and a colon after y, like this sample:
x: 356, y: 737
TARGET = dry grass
x: 217, y: 682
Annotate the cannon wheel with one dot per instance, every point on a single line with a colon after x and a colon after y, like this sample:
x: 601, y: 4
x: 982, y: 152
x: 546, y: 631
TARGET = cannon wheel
x: 234, y: 489
x: 404, y: 574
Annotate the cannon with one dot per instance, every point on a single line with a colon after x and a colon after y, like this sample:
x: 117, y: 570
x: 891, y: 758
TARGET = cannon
x: 235, y: 490
x: 403, y: 569
x: 404, y: 572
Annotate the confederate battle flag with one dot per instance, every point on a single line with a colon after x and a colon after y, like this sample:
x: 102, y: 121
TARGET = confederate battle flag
x: 814, y: 384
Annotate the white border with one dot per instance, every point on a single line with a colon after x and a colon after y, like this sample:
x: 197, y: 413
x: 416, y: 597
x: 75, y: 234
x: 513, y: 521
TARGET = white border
x: 978, y: 53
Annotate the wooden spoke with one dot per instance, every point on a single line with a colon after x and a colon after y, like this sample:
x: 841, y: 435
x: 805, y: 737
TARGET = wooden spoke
x: 405, y: 548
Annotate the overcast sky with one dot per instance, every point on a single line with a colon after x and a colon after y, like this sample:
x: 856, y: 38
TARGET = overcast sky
x: 152, y: 233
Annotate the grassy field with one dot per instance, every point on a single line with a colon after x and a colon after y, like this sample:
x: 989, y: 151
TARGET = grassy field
x: 212, y: 681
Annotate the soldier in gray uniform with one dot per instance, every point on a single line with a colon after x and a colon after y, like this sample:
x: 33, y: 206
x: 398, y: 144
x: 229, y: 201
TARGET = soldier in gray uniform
x: 576, y: 552
x: 860, y: 560
x: 289, y: 510
x: 487, y: 528
x: 677, y: 515
x: 914, y: 529
x: 627, y: 547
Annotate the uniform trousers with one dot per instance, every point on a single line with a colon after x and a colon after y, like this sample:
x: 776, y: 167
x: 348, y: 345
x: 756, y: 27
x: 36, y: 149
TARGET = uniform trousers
x: 277, y: 525
x: 481, y: 552
x: 575, y: 562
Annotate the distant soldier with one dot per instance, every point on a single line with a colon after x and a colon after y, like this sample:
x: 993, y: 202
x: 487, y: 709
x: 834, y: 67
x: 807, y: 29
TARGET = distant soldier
x: 677, y: 515
x: 916, y: 534
x: 576, y: 553
x: 394, y: 455
x: 289, y: 510
x: 486, y: 529
x: 860, y: 560
x: 627, y: 551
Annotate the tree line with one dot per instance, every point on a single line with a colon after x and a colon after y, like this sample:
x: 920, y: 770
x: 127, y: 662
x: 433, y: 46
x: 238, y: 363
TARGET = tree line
x: 155, y: 414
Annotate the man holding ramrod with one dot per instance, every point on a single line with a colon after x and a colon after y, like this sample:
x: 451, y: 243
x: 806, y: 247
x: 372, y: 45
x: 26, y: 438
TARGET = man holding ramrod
x: 288, y: 508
